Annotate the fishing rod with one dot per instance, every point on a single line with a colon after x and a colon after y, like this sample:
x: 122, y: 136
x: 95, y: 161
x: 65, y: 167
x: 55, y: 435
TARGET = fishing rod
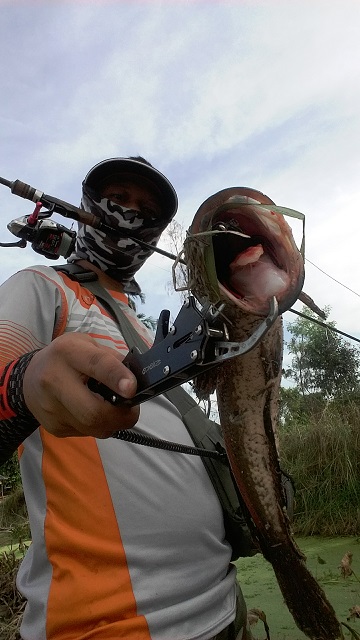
x: 53, y: 240
x: 50, y: 238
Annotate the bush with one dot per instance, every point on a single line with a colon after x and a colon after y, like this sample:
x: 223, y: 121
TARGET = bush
x: 14, y: 516
x: 10, y: 470
x: 322, y: 454
x: 11, y: 602
x: 14, y: 532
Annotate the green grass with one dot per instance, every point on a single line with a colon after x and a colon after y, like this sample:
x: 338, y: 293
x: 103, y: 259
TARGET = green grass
x: 321, y: 452
x: 19, y: 548
x: 9, y: 542
x: 261, y: 590
x: 4, y: 538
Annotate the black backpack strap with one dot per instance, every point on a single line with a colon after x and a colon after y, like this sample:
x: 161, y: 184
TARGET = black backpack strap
x: 75, y: 272
x: 207, y: 434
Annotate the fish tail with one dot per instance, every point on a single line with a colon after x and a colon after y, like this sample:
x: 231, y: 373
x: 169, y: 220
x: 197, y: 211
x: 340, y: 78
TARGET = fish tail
x: 307, y: 602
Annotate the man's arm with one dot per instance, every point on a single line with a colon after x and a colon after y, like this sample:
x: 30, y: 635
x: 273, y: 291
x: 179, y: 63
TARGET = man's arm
x: 16, y: 422
x: 49, y: 387
x: 44, y: 378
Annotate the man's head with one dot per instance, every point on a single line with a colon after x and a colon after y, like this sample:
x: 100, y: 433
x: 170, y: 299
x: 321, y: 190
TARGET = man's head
x: 135, y: 170
x: 137, y: 202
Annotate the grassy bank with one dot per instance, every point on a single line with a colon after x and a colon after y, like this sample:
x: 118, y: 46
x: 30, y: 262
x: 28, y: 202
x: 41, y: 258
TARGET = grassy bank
x: 261, y: 590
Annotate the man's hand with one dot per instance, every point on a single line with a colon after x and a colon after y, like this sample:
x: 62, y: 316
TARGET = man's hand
x: 56, y: 392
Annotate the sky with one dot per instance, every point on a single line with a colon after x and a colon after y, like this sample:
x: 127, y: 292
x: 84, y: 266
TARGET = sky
x: 214, y: 94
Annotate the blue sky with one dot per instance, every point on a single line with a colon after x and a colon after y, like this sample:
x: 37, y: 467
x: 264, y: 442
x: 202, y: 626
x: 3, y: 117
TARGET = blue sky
x: 214, y: 94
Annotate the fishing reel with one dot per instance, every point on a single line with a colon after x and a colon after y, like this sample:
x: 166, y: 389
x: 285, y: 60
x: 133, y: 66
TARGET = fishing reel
x: 52, y: 239
x: 47, y: 237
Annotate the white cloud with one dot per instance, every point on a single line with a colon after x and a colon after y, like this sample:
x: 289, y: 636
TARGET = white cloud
x: 215, y: 94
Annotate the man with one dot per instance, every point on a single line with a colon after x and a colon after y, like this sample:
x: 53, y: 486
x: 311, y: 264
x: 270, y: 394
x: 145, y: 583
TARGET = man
x: 127, y: 541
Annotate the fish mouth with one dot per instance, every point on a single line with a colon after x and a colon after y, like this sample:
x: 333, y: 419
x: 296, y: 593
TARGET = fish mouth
x: 255, y: 255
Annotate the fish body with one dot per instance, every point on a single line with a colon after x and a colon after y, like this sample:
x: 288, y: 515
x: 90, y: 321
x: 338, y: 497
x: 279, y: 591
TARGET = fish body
x: 247, y: 387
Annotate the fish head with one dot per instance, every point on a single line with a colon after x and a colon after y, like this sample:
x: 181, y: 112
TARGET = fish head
x: 250, y: 251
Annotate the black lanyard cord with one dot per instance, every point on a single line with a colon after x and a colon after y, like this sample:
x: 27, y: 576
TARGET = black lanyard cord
x: 139, y: 438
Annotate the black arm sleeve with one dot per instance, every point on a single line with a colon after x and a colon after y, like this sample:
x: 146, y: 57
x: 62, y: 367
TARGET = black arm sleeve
x: 13, y: 431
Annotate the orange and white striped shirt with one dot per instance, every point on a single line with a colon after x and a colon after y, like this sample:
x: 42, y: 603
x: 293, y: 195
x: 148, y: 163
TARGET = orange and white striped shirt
x: 127, y: 541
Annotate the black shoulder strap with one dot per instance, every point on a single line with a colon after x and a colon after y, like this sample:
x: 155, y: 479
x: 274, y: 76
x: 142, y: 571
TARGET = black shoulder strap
x: 75, y: 272
x: 90, y: 280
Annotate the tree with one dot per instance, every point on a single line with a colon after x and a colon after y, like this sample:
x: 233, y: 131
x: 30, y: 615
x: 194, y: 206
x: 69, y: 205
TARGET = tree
x: 322, y: 361
x: 175, y: 235
x: 148, y: 321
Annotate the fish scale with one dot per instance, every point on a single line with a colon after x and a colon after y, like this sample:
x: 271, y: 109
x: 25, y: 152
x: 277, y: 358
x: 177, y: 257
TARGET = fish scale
x: 247, y: 391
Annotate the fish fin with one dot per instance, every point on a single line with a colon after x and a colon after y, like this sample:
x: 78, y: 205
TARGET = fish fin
x: 309, y: 302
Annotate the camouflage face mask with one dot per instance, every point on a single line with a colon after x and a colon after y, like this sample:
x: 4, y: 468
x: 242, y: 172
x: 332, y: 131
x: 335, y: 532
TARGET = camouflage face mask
x: 119, y: 256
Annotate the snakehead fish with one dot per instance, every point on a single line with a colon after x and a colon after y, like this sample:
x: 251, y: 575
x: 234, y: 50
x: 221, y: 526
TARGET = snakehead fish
x: 248, y: 257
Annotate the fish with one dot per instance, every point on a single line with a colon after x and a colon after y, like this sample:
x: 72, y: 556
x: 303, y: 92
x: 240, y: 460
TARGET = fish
x: 240, y: 252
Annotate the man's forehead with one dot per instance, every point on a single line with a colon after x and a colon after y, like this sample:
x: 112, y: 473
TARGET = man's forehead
x: 128, y: 179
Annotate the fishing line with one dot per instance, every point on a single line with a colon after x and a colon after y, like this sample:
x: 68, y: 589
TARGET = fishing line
x: 178, y: 259
x: 331, y: 277
x: 324, y: 325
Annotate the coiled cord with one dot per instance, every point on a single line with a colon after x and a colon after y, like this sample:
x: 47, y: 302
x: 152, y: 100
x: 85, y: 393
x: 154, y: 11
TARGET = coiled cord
x: 138, y: 438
